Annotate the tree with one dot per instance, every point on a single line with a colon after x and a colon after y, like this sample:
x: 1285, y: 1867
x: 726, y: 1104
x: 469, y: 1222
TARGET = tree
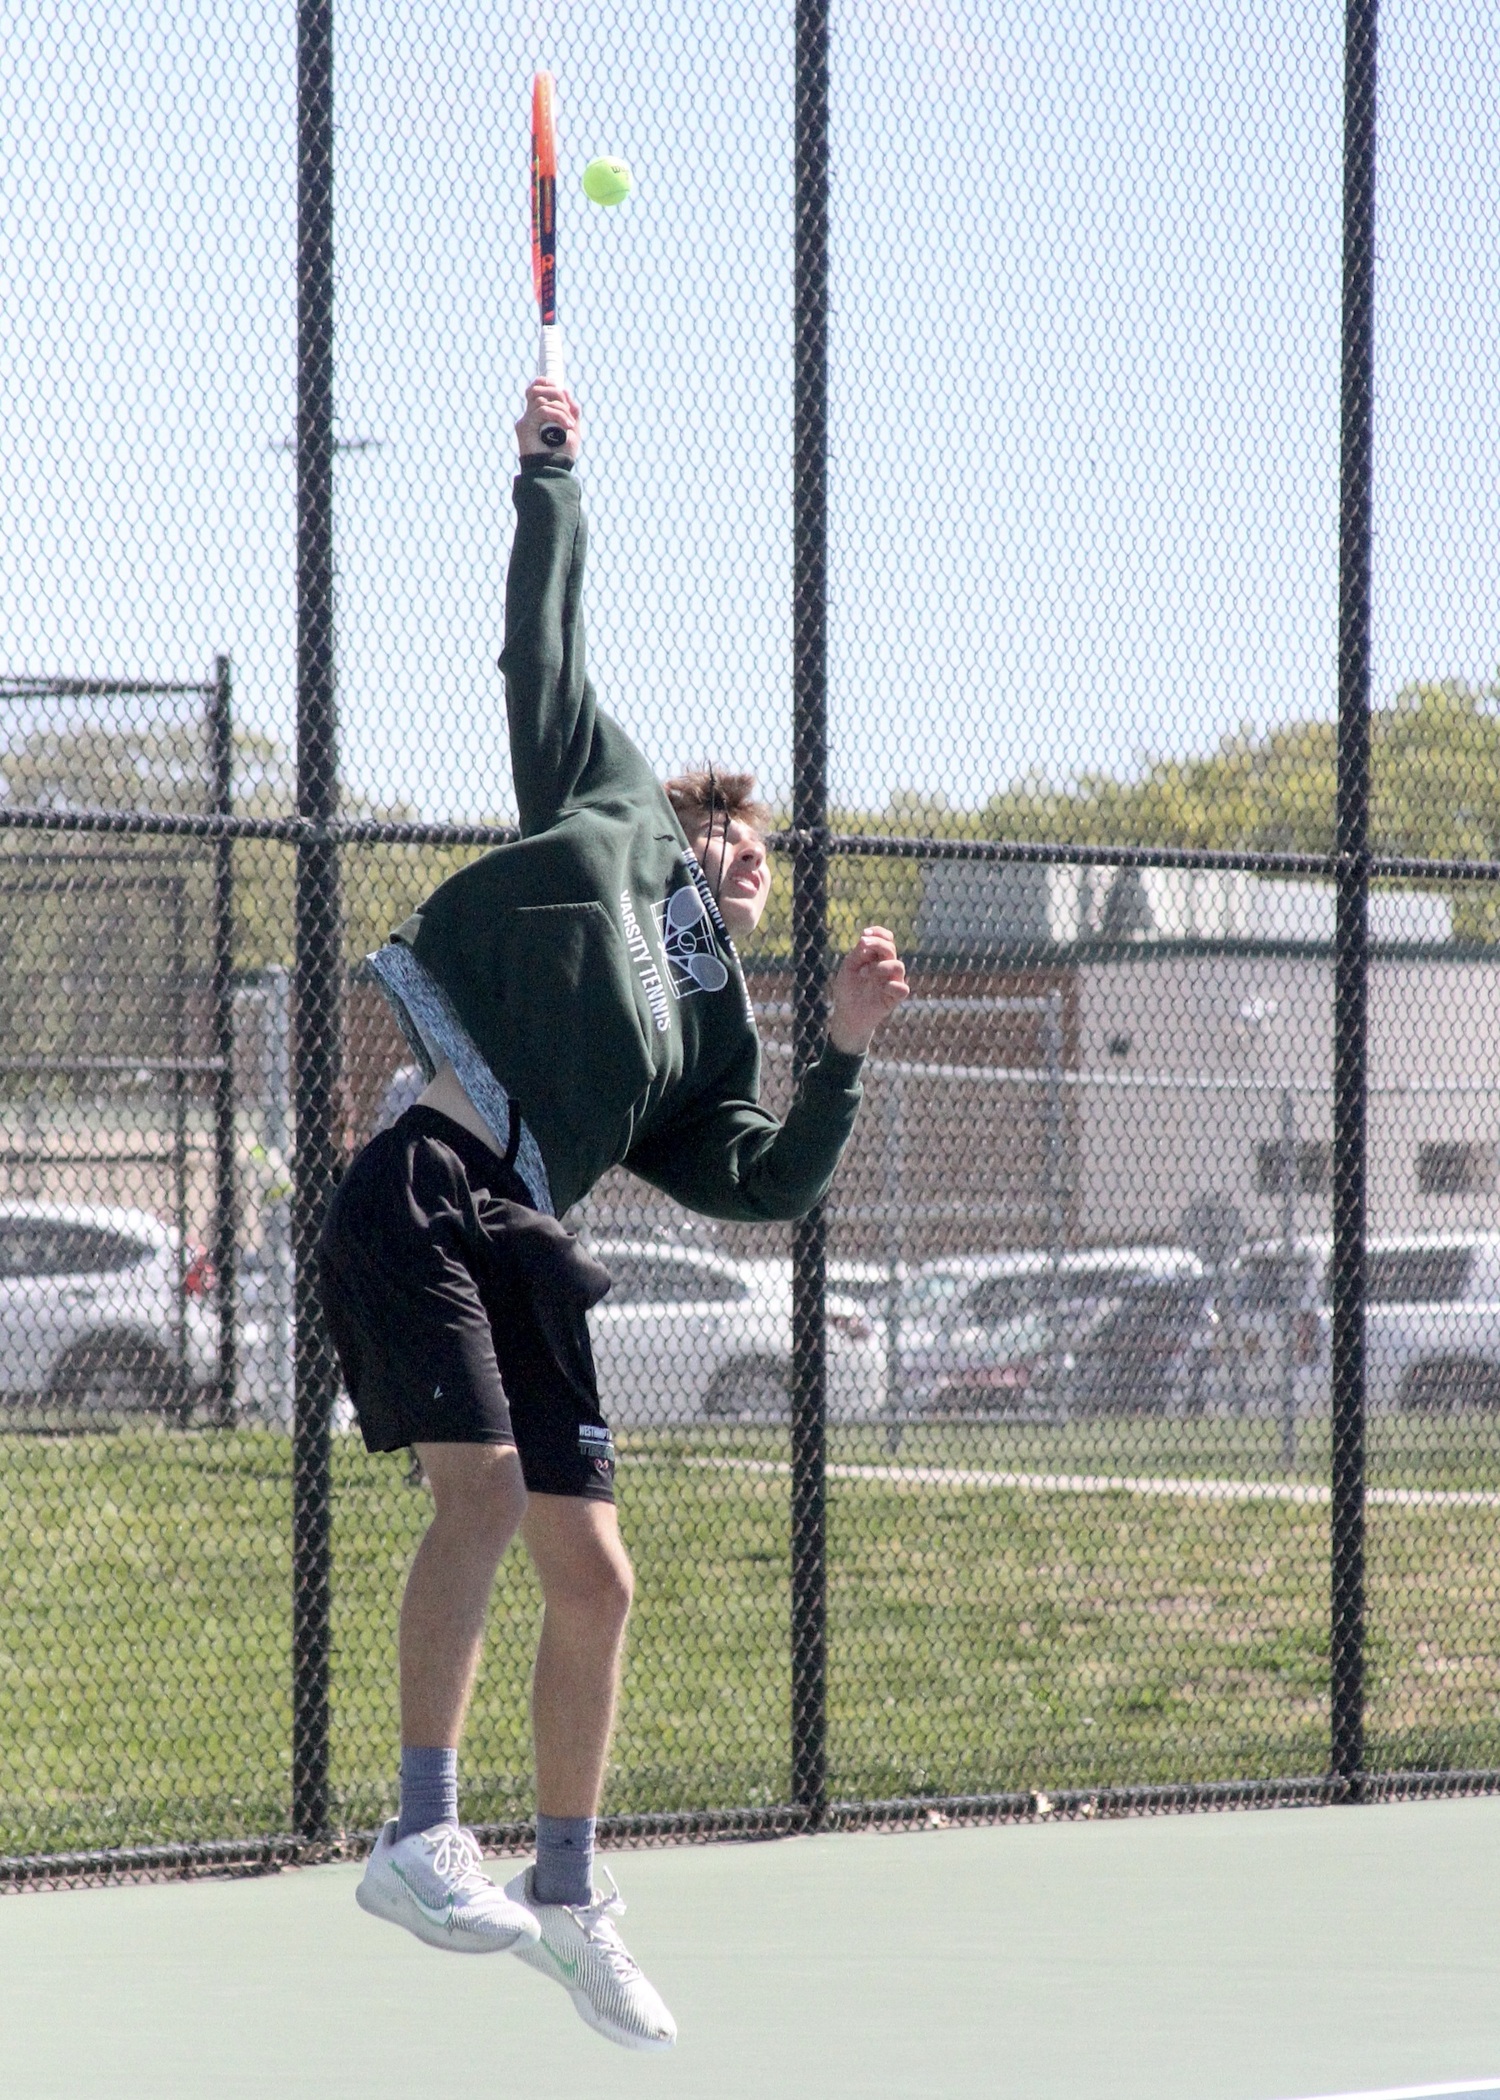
x: 162, y: 769
x: 1435, y: 793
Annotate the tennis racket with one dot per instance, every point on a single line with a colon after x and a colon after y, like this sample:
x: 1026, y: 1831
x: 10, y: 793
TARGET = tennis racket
x: 544, y: 239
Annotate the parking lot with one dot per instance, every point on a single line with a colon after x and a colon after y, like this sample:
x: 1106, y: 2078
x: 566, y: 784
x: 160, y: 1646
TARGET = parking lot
x: 106, y: 1311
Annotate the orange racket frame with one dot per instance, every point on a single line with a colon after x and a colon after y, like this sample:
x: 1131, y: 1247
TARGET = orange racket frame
x: 550, y: 364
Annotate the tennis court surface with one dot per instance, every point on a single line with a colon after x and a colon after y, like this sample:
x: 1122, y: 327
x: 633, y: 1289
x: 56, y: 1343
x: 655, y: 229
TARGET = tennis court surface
x: 1266, y: 1956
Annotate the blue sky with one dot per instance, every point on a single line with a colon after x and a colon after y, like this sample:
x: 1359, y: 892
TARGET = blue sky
x: 1085, y: 368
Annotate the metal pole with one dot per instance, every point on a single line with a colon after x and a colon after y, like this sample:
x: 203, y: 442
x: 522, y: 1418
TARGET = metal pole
x: 1351, y: 941
x: 1052, y: 1140
x: 226, y: 1218
x: 894, y: 1235
x: 1052, y: 1057
x: 317, y: 984
x: 177, y: 889
x: 809, y: 1598
x: 279, y: 1399
x: 1288, y: 1279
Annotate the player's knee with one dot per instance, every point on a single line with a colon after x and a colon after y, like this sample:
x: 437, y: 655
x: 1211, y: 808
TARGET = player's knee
x: 619, y: 1587
x: 479, y: 1488
x: 610, y: 1583
x: 597, y: 1584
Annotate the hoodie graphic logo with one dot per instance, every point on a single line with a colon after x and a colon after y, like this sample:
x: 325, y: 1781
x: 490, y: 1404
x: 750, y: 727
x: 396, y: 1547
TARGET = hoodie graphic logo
x: 646, y: 970
x: 688, y: 943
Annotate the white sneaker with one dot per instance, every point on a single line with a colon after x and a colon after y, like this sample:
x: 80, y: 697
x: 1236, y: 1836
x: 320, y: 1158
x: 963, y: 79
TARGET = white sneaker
x: 580, y: 1949
x: 432, y: 1883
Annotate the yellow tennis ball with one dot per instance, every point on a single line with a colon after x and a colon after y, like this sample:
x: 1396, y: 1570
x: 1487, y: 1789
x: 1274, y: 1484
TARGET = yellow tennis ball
x: 607, y: 181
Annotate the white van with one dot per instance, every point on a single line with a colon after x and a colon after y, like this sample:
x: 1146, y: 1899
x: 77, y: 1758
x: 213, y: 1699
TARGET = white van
x: 1432, y: 1327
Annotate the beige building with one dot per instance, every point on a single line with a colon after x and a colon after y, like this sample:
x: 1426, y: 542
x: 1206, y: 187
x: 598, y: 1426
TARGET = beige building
x: 1203, y: 1043
x: 1187, y: 1065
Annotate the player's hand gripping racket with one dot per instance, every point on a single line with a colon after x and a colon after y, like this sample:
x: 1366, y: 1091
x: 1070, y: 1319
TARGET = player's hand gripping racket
x: 544, y: 240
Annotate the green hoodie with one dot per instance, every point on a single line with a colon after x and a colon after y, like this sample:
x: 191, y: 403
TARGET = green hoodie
x: 588, y: 963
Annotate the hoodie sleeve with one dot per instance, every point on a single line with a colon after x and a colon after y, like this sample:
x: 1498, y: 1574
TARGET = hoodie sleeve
x: 729, y: 1158
x: 549, y: 701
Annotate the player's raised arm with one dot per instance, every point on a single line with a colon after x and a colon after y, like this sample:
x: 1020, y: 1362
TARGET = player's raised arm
x: 549, y: 702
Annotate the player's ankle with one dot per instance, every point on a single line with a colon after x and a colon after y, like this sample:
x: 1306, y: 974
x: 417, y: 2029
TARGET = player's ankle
x: 429, y: 1788
x: 564, y: 1860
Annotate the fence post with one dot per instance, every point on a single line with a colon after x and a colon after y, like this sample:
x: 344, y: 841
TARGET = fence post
x: 226, y: 1206
x: 1054, y: 1135
x: 1289, y: 1290
x: 177, y: 890
x: 809, y: 1600
x: 893, y: 1234
x: 1351, y: 942
x: 317, y: 977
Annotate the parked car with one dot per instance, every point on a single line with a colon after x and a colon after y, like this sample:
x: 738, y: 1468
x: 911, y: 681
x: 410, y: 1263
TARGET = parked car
x: 1432, y: 1324
x: 1103, y: 1331
x: 1275, y: 1330
x: 688, y: 1336
x: 1147, y: 1352
x: 98, y: 1321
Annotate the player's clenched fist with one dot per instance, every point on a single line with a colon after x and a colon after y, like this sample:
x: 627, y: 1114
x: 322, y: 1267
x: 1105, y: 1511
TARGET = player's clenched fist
x: 549, y: 407
x: 870, y: 985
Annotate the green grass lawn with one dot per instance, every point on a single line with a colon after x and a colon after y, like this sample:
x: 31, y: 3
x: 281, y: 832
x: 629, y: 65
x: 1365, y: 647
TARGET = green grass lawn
x: 980, y: 1637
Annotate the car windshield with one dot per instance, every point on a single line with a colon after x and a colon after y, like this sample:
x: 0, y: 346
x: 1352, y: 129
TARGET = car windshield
x: 1418, y: 1275
x: 1007, y: 1341
x: 660, y: 1279
x: 1165, y: 1308
x: 924, y: 1297
x: 1127, y: 1354
x: 58, y: 1247
x: 1069, y: 1294
x: 1000, y: 1299
x: 1396, y: 1276
x: 1261, y: 1283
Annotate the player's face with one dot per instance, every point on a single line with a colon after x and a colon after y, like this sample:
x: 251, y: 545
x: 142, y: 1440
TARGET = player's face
x: 738, y: 870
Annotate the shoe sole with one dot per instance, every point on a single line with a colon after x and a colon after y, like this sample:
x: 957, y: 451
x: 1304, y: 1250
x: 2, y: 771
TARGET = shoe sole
x: 646, y: 2045
x: 420, y: 1928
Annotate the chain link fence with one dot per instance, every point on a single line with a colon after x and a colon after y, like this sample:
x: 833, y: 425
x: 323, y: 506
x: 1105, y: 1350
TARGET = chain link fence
x: 1006, y: 436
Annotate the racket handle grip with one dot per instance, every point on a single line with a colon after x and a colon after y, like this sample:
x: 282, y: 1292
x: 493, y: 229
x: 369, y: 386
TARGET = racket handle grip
x: 550, y: 366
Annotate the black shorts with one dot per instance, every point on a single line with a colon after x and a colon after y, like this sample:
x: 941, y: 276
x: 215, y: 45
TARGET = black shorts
x: 459, y: 1311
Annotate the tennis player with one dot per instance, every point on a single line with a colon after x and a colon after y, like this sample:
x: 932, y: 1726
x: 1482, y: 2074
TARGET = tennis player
x: 576, y: 1002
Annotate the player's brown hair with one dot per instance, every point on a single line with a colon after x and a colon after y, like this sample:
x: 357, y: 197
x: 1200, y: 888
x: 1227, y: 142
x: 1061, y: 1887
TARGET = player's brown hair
x: 706, y: 793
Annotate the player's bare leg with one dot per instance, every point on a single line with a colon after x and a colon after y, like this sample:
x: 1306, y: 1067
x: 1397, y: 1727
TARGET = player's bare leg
x: 424, y: 1873
x: 479, y: 1501
x: 586, y: 1581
